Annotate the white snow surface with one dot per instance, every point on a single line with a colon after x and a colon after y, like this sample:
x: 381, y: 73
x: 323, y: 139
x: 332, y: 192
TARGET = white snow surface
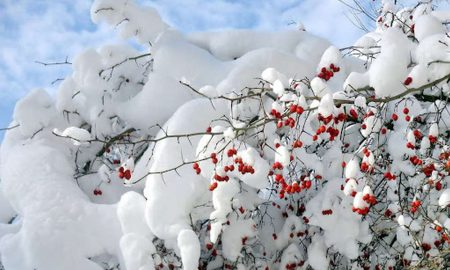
x: 76, y: 191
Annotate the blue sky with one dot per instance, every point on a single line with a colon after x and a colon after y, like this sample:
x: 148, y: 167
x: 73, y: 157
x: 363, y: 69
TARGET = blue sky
x: 51, y: 30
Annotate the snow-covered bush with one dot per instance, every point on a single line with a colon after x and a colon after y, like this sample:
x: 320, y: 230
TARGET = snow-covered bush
x: 236, y: 150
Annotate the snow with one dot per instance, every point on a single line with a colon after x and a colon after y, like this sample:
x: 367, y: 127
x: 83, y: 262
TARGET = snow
x: 77, y: 135
x: 142, y: 22
x: 161, y: 94
x: 271, y: 75
x: 389, y: 70
x: 372, y: 124
x: 434, y: 130
x: 352, y: 168
x: 189, y: 246
x: 34, y: 112
x: 444, y: 199
x: 427, y: 25
x: 278, y: 88
x: 222, y: 198
x: 136, y: 252
x: 326, y: 106
x: 232, y: 237
x: 211, y: 178
x: 317, y: 255
x: 282, y: 155
x: 178, y: 195
x: 54, y: 212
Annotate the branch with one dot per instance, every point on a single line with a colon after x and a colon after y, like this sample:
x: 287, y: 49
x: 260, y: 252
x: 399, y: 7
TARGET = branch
x: 123, y: 61
x: 66, y: 62
x: 9, y: 128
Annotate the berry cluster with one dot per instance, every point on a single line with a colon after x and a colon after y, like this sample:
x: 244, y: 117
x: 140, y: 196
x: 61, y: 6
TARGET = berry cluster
x: 331, y: 130
x: 289, y: 121
x: 124, y: 173
x: 361, y: 211
x: 415, y: 205
x: 326, y: 73
x: 389, y: 176
x: 370, y: 199
x: 196, y: 167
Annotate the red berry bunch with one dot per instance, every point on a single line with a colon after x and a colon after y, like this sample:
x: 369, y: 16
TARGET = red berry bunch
x: 328, y: 73
x: 433, y: 139
x: 415, y: 205
x: 428, y: 169
x: 370, y: 199
x: 297, y: 144
x: 406, y: 112
x: 124, y: 173
x: 294, y: 108
x: 389, y: 176
x: 219, y: 178
x: 361, y: 211
x: 196, y: 167
x: 243, y: 167
x: 415, y: 160
x: 275, y: 113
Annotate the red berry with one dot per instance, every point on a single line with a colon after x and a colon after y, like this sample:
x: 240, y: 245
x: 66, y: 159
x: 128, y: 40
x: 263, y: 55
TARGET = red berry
x: 213, y: 186
x: 127, y: 174
x: 407, y: 81
x: 353, y: 113
x: 394, y: 117
x: 297, y: 144
x: 308, y: 184
x: 293, y: 108
x: 417, y: 134
x: 231, y: 152
x: 405, y: 110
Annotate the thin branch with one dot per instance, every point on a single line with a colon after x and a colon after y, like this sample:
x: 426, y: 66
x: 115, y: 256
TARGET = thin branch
x: 9, y: 128
x: 66, y: 62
